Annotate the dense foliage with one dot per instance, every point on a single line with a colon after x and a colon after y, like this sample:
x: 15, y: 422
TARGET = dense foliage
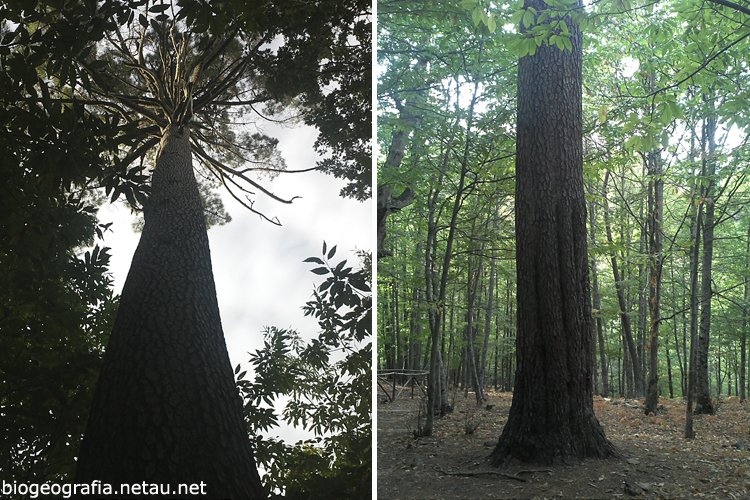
x: 328, y: 385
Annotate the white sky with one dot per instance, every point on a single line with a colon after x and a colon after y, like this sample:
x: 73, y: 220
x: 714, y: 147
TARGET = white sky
x: 260, y: 277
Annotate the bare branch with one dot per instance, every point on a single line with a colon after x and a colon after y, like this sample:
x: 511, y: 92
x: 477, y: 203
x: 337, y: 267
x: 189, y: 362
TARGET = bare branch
x: 732, y: 5
x: 220, y: 166
x: 141, y: 151
x: 247, y: 204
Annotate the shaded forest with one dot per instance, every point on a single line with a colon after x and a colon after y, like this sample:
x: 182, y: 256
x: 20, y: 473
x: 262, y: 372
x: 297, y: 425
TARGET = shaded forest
x: 666, y: 122
x: 145, y: 100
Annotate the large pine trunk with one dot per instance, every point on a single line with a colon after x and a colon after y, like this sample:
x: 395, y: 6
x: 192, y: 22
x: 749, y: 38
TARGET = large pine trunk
x: 166, y: 409
x: 552, y: 418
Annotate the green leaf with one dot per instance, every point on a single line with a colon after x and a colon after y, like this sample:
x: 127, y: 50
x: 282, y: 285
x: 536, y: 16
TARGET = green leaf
x: 568, y: 43
x: 159, y: 8
x: 467, y: 4
x: 528, y: 18
x: 315, y: 260
x: 477, y: 15
x: 320, y: 270
x: 602, y: 112
x: 491, y: 24
x: 634, y: 141
x: 332, y: 252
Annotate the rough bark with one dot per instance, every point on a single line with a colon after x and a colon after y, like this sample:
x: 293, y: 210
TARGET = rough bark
x: 166, y: 409
x: 552, y: 417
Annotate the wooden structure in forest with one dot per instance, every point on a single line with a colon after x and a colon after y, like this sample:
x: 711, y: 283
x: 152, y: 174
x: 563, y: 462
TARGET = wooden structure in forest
x: 388, y: 380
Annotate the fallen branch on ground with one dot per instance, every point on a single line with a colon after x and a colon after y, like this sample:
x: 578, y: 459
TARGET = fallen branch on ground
x: 489, y: 473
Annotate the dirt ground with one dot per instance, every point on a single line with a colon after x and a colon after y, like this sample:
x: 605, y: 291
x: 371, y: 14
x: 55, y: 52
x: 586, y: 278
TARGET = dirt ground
x: 659, y: 462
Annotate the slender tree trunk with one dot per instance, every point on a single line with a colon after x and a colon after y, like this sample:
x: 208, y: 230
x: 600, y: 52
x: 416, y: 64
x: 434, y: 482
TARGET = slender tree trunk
x: 440, y: 299
x: 551, y: 417
x: 490, y: 304
x: 695, y: 237
x: 676, y: 338
x: 472, y: 286
x: 443, y: 367
x: 627, y: 362
x: 745, y: 310
x: 399, y: 357
x: 624, y: 313
x: 669, y: 367
x: 703, y: 404
x: 642, y: 293
x: 597, y: 304
x: 166, y: 408
x: 497, y: 353
x: 656, y: 245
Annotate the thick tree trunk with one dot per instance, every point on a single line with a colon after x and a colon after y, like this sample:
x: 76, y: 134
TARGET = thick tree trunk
x: 552, y: 417
x: 386, y: 202
x: 166, y: 409
x: 386, y: 205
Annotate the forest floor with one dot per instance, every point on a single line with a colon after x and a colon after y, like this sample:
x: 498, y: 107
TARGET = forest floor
x: 658, y: 463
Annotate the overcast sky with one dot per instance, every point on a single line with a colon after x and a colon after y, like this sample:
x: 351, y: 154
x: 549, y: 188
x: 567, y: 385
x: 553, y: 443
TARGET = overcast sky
x: 260, y: 277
